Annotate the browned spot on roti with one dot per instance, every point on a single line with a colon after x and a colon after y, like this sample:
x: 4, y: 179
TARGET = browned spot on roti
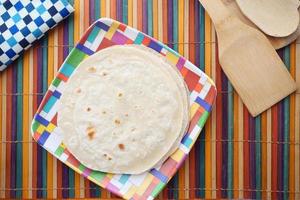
x: 88, y: 109
x: 121, y: 146
x: 107, y: 157
x: 92, y: 69
x: 78, y: 90
x: 104, y: 73
x: 126, y: 115
x: 117, y: 121
x: 120, y: 94
x: 133, y: 129
x: 103, y: 112
x: 90, y: 131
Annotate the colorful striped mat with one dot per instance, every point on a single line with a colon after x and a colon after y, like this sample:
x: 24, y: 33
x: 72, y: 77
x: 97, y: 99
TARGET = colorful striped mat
x: 236, y: 156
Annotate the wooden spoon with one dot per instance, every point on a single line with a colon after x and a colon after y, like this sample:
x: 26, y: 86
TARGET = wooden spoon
x: 278, y: 18
x: 277, y: 42
x: 249, y: 60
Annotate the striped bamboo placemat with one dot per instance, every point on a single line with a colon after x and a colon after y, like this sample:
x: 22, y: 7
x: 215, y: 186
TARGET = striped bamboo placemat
x: 236, y: 156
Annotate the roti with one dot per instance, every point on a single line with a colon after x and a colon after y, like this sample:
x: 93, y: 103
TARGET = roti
x: 124, y: 110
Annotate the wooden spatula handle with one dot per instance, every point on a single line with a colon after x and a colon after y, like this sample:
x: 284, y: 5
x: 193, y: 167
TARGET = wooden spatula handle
x: 297, y: 2
x: 216, y: 10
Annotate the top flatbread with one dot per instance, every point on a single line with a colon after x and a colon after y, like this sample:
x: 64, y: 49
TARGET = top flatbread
x: 124, y: 110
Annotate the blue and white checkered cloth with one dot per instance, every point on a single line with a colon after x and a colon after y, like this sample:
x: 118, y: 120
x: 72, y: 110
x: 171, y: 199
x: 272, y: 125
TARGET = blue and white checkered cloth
x: 24, y: 21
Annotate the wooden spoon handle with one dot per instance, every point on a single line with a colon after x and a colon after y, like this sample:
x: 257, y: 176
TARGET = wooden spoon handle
x: 216, y: 10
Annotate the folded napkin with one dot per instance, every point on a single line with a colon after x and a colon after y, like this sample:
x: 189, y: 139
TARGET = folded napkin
x: 24, y: 21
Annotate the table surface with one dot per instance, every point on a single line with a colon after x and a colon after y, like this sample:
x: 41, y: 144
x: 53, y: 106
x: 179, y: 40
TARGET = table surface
x: 236, y: 155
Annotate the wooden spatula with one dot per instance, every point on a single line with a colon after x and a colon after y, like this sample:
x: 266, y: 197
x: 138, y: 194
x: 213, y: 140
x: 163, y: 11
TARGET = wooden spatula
x: 277, y: 42
x: 298, y: 71
x: 249, y: 60
x: 278, y: 18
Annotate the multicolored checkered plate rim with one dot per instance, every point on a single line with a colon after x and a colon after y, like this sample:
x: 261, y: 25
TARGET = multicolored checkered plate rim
x: 104, y: 33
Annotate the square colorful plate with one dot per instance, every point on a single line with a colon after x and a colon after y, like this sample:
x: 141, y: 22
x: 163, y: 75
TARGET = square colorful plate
x: 104, y: 33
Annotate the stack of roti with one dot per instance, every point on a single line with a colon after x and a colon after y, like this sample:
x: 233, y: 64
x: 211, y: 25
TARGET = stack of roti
x: 124, y: 110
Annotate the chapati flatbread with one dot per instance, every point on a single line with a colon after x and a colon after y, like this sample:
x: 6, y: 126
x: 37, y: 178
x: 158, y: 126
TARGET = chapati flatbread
x: 124, y: 110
